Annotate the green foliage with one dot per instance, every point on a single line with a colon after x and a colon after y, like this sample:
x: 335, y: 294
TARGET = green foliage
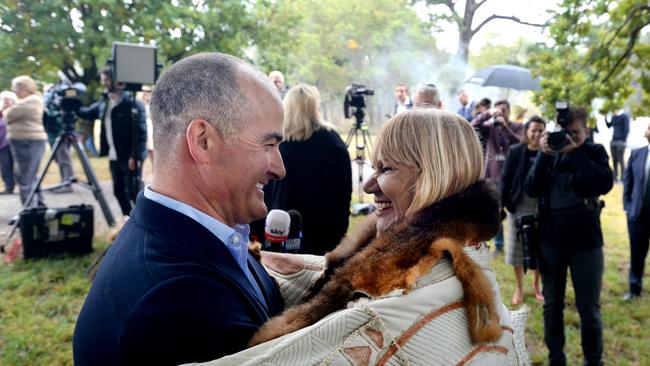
x: 75, y: 36
x: 493, y: 53
x: 597, y: 52
x: 334, y: 43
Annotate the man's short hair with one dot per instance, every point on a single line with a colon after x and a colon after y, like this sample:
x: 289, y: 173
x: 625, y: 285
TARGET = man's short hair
x: 485, y: 102
x: 578, y: 114
x: 200, y: 86
x: 502, y: 102
x: 108, y: 71
x: 400, y: 84
x: 430, y: 91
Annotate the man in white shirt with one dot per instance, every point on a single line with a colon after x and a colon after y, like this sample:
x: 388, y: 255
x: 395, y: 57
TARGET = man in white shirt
x: 402, y: 99
x: 123, y: 138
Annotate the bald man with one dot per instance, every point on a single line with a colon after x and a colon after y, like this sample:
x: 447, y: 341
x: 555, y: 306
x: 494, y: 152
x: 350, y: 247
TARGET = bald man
x: 178, y: 285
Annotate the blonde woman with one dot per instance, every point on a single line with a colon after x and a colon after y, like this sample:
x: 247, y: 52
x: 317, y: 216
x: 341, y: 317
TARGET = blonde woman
x: 318, y: 183
x: 27, y: 135
x: 412, y: 285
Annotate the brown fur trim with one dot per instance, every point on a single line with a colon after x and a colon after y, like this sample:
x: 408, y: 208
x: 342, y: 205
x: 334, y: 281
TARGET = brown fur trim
x: 351, y: 244
x: 255, y: 249
x: 399, y: 256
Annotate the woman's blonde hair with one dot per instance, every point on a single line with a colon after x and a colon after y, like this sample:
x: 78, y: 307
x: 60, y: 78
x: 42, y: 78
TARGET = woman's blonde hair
x: 442, y: 147
x: 301, y: 115
x: 25, y: 83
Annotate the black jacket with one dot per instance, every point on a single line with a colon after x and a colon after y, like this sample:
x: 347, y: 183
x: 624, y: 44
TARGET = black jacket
x: 589, y: 176
x: 513, y: 177
x: 169, y: 292
x: 318, y: 185
x: 123, y: 130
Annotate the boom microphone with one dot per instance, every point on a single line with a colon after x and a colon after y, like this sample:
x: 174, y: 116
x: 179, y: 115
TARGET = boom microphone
x: 276, y: 229
x: 293, y: 244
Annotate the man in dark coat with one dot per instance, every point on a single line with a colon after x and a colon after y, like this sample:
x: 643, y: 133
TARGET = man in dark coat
x: 621, y: 123
x: 636, y: 201
x: 179, y: 285
x: 568, y: 182
x: 123, y: 139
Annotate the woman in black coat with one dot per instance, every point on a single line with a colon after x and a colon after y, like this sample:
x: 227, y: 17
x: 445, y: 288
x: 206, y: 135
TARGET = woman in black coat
x: 518, y: 162
x: 318, y: 183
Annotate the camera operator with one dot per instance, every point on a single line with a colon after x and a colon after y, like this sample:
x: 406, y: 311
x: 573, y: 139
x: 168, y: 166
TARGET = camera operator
x: 53, y: 123
x: 117, y: 138
x: 567, y: 176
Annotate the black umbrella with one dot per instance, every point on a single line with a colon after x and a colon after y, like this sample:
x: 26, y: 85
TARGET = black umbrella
x: 505, y: 76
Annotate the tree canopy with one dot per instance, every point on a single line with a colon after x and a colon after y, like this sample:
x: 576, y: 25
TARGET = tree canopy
x: 597, y: 52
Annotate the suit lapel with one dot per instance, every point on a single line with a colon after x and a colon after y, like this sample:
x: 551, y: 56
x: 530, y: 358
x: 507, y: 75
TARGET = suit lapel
x: 267, y: 286
x: 640, y: 168
x: 190, y: 239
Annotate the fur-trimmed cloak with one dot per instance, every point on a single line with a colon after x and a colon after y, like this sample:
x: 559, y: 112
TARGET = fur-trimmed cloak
x: 365, y: 265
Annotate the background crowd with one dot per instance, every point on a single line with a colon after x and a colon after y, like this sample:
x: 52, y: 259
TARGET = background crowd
x: 557, y: 188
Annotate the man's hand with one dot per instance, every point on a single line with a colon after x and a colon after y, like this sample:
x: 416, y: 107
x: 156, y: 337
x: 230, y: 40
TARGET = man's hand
x: 133, y: 164
x: 570, y: 145
x: 543, y: 143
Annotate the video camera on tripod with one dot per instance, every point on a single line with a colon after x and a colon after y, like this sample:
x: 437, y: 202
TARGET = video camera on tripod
x: 355, y: 97
x: 62, y: 102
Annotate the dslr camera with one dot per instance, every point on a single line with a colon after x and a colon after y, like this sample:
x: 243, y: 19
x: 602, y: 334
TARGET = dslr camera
x: 355, y: 97
x: 557, y: 140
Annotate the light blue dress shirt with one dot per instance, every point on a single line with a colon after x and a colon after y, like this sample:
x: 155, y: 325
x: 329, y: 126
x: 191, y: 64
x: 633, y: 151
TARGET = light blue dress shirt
x: 235, y: 239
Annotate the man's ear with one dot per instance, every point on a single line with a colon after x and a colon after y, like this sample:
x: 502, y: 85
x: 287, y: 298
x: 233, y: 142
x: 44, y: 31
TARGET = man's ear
x: 201, y: 137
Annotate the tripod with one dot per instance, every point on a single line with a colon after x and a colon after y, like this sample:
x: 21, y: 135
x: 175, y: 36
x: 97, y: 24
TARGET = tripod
x: 362, y: 147
x: 64, y: 140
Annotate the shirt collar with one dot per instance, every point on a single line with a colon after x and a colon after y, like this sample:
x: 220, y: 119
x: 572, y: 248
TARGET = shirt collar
x: 229, y: 235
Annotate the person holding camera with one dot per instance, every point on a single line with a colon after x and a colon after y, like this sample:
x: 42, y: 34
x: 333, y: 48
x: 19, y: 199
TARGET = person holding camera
x: 123, y: 142
x: 567, y: 176
x: 520, y: 206
x: 498, y: 134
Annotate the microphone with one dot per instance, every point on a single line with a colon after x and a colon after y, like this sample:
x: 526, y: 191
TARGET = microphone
x: 293, y: 244
x: 276, y: 229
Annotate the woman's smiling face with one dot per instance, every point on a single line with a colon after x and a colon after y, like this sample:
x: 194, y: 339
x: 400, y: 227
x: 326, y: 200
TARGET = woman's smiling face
x: 393, y: 188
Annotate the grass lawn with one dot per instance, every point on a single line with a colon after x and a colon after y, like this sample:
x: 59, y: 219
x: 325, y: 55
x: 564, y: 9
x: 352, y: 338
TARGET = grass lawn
x: 40, y: 300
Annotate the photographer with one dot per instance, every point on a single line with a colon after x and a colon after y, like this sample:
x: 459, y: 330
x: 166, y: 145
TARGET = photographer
x: 568, y: 176
x: 498, y: 134
x: 124, y: 143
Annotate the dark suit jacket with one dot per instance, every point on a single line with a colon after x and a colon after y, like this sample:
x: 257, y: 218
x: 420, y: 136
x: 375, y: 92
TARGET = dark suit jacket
x: 513, y: 177
x: 169, y: 292
x: 468, y: 113
x: 127, y: 144
x: 634, y: 183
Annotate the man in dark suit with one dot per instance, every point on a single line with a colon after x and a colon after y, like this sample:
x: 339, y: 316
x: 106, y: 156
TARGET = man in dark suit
x: 466, y: 106
x: 636, y: 201
x: 178, y: 284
